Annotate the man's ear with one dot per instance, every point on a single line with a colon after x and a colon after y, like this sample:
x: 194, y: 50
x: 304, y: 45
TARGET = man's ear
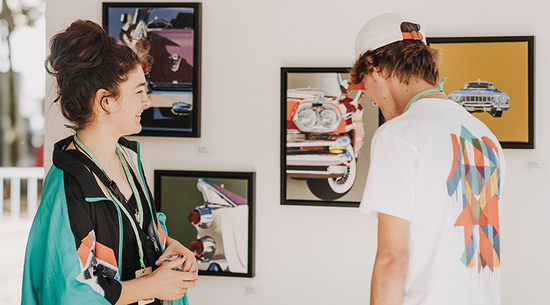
x: 371, y: 61
x: 103, y: 101
x: 377, y: 73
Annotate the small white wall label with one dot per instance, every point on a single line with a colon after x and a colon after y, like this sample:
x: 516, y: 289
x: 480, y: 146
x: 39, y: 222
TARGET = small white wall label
x: 535, y: 166
x: 252, y: 291
x: 205, y: 151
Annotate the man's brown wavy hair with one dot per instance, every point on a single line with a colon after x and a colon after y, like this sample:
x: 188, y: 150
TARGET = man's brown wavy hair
x: 402, y: 59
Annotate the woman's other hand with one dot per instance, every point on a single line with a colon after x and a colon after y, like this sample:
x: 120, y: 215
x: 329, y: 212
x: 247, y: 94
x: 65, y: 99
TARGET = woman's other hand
x: 174, y: 247
x: 170, y: 284
x: 165, y: 283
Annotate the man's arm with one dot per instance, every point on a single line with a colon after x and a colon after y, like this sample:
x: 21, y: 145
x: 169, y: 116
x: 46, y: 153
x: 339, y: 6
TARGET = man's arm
x: 392, y: 261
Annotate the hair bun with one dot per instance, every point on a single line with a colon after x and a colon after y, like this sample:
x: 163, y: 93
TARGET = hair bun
x: 84, y: 42
x: 94, y: 42
x: 84, y: 59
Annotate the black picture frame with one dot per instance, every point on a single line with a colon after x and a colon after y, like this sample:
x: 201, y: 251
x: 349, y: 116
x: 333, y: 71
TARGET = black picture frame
x: 171, y: 34
x: 506, y: 61
x: 226, y: 206
x: 304, y: 180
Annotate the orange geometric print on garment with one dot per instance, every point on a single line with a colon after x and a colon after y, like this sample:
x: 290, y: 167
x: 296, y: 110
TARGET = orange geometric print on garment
x: 105, y: 254
x: 161, y: 234
x: 475, y: 181
x: 89, y: 245
x: 84, y: 250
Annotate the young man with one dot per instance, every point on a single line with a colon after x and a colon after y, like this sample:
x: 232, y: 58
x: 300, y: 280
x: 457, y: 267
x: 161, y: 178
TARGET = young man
x: 435, y: 178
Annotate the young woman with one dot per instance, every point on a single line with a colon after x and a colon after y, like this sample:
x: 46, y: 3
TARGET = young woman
x: 97, y: 238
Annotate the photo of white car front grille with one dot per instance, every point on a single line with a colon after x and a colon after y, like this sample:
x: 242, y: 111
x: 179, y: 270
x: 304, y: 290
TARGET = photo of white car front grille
x: 478, y: 99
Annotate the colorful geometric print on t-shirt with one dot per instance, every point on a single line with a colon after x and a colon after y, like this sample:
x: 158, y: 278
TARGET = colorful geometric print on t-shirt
x: 475, y: 179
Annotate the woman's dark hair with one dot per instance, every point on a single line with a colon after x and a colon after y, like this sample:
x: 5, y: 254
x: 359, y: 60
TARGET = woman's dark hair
x: 84, y: 59
x: 402, y: 59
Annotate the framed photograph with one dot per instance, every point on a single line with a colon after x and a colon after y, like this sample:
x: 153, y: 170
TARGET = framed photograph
x: 212, y: 214
x: 493, y: 78
x: 171, y: 35
x: 325, y: 137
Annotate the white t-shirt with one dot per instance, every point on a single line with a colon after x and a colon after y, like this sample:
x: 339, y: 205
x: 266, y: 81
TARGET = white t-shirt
x: 441, y: 169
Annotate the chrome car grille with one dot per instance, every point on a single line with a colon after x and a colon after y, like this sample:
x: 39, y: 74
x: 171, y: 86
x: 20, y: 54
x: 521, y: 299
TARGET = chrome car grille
x: 477, y: 98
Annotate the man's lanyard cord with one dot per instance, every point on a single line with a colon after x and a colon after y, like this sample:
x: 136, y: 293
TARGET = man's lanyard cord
x: 423, y: 93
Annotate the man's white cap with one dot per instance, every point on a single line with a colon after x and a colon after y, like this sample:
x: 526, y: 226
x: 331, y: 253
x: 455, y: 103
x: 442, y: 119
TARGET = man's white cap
x: 383, y: 30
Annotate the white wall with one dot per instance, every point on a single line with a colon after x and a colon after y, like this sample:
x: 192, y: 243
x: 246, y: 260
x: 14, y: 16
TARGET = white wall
x: 315, y: 255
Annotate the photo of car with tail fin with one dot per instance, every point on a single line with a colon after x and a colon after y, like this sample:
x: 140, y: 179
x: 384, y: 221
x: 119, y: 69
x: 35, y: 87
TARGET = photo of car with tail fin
x: 222, y: 230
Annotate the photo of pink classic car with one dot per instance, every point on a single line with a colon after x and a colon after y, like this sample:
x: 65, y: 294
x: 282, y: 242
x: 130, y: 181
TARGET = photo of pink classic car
x: 324, y: 136
x: 168, y: 40
x: 166, y: 36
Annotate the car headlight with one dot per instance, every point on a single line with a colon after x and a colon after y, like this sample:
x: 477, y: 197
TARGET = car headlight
x: 454, y: 97
x: 306, y: 118
x: 318, y: 118
x: 327, y: 117
x: 500, y: 99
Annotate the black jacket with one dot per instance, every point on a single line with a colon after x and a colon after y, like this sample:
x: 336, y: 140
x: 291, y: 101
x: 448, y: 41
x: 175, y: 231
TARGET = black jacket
x: 75, y: 245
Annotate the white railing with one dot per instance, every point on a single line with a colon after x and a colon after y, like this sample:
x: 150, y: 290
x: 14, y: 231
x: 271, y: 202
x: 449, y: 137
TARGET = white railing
x: 15, y: 174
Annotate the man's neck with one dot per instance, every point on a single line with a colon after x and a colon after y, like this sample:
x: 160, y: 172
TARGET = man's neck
x: 403, y: 93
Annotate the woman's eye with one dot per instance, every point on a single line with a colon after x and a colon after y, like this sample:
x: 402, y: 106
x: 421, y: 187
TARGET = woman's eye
x: 140, y: 92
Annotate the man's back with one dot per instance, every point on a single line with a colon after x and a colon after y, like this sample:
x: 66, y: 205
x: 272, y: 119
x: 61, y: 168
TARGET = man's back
x: 440, y: 168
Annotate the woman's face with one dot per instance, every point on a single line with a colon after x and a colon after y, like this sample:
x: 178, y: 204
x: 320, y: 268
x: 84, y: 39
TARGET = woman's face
x: 132, y: 101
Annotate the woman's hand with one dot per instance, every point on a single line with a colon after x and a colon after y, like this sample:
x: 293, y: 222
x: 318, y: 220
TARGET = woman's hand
x: 174, y: 247
x: 164, y: 283
x: 170, y: 284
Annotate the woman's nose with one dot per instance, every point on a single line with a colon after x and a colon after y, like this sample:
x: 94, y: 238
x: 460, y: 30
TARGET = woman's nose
x: 146, y: 101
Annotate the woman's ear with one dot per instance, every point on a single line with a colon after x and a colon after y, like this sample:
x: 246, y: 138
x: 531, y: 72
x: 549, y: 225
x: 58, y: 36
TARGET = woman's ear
x: 103, y: 101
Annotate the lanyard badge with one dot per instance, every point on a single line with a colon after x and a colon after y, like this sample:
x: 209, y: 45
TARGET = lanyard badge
x: 143, y: 273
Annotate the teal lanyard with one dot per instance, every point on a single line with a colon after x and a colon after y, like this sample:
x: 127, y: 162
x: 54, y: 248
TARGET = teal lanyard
x: 425, y: 92
x: 134, y: 190
x: 132, y: 185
